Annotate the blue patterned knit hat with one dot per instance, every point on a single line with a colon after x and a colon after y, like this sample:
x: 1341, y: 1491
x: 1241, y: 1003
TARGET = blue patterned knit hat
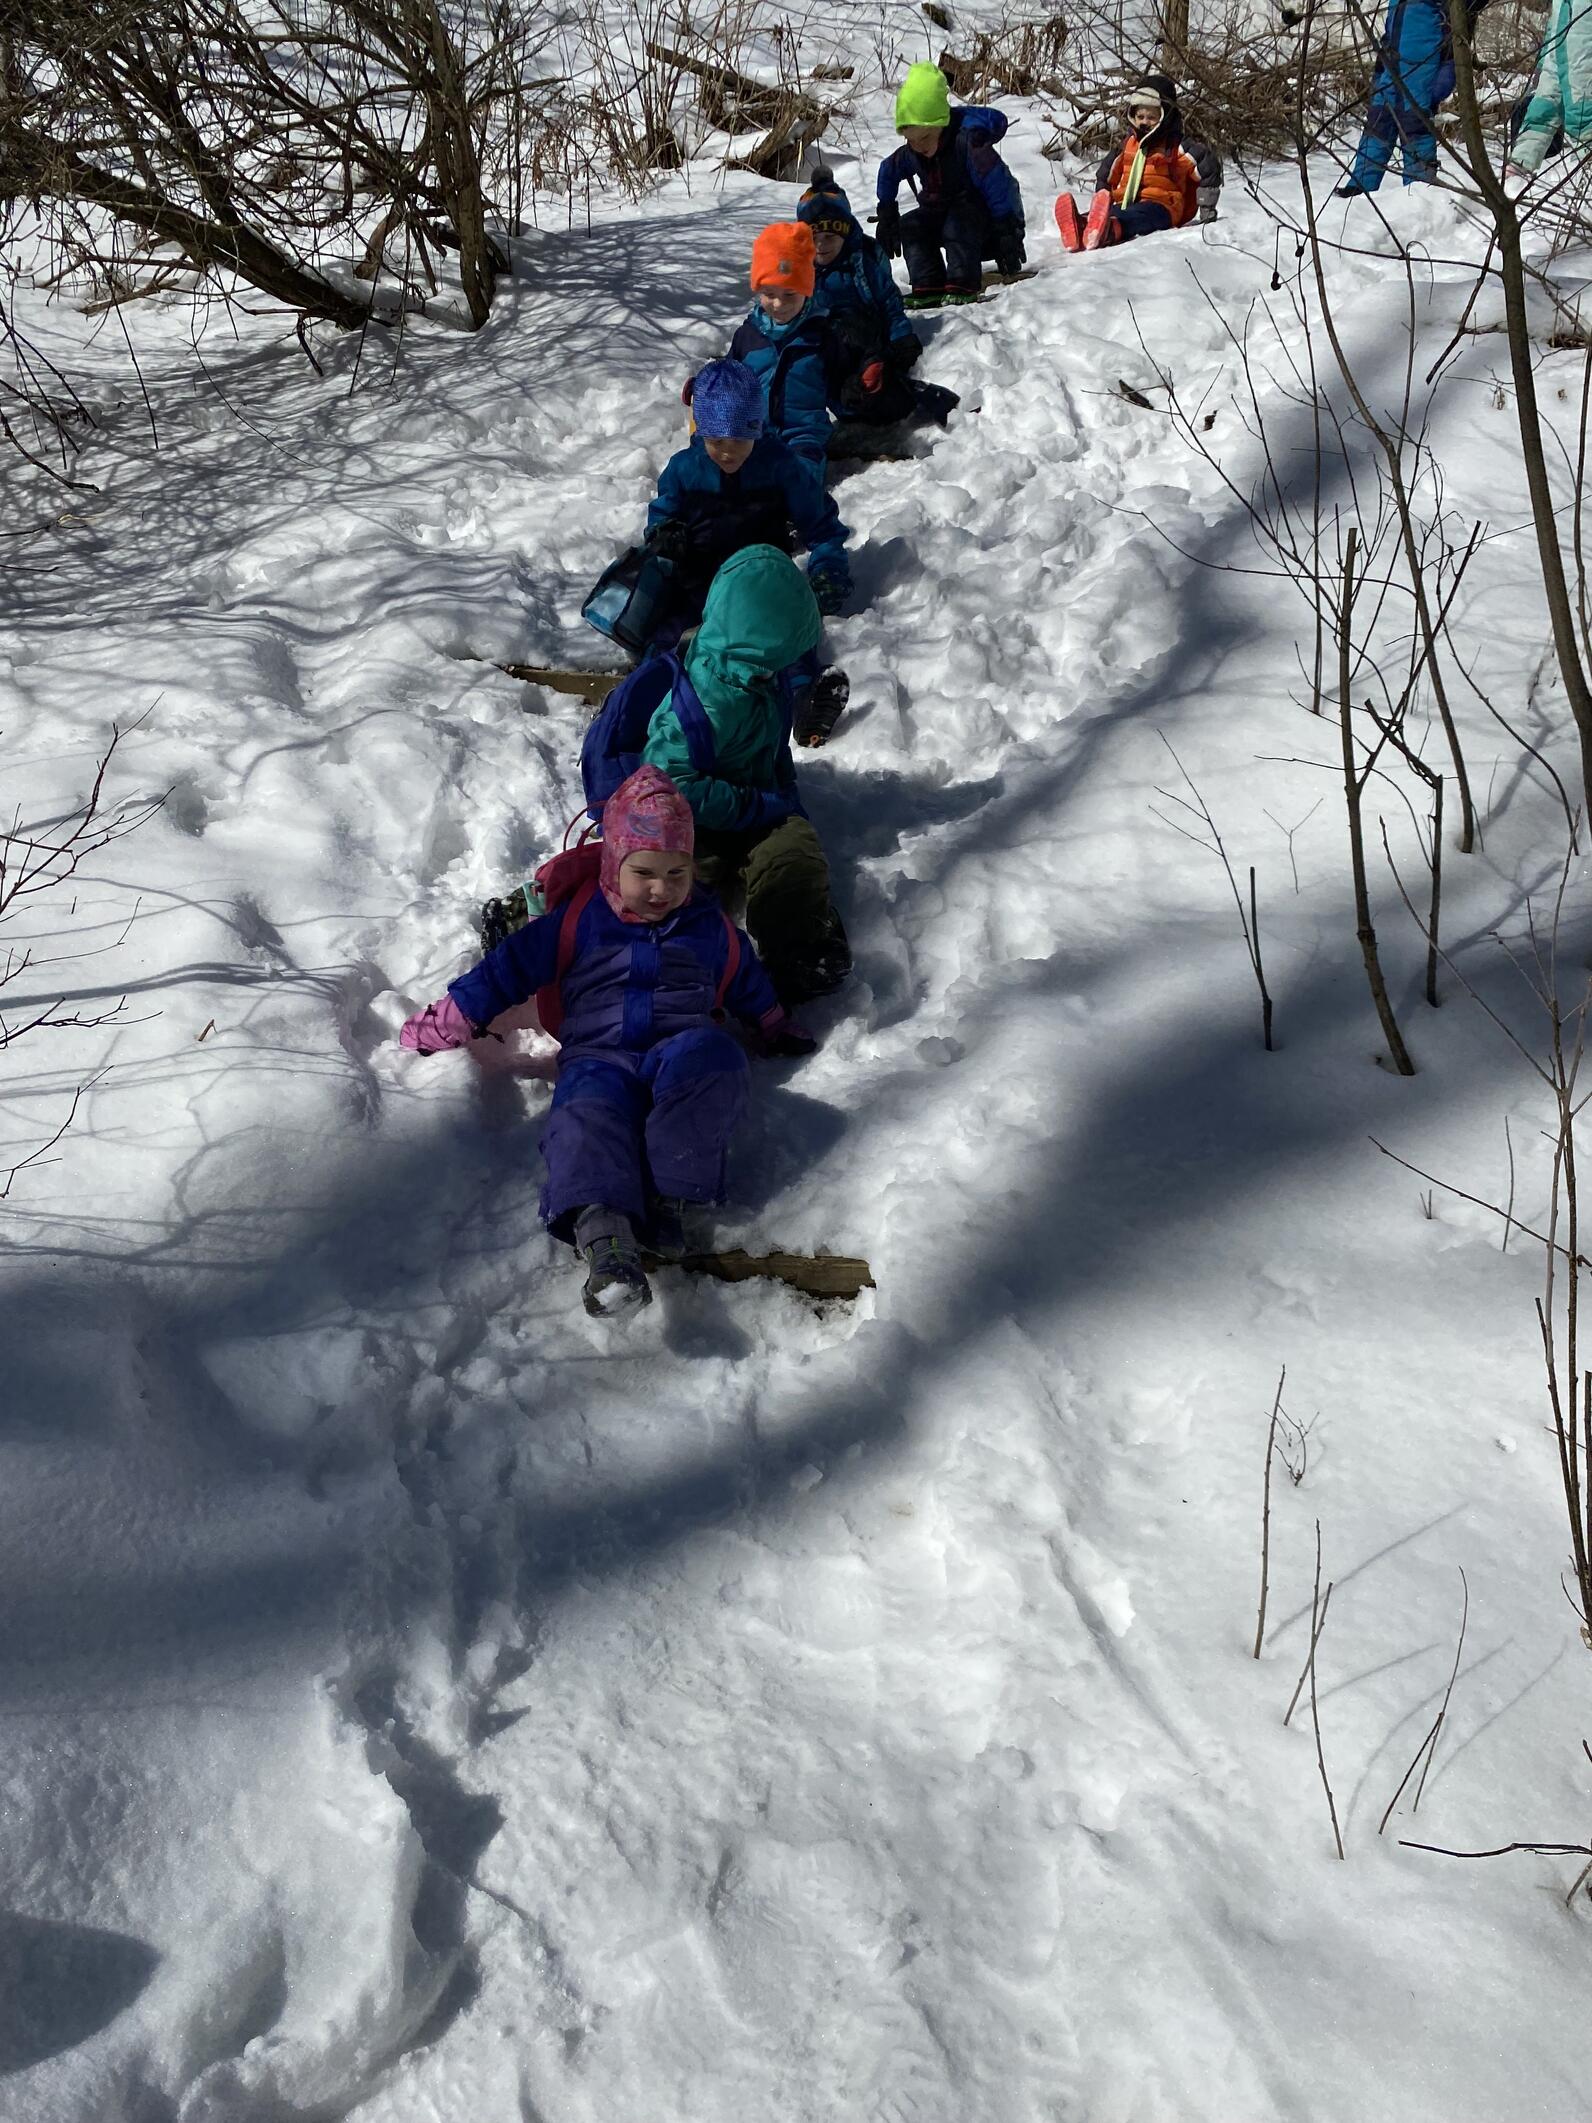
x: 727, y: 402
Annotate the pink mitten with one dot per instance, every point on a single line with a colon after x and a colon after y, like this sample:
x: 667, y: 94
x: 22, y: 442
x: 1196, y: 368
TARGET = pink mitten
x: 439, y: 1025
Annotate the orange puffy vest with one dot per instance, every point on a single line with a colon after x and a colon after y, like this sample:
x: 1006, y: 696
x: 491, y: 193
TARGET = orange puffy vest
x: 1170, y: 180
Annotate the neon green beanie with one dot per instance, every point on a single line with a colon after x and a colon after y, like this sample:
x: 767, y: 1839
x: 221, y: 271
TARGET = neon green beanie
x: 924, y: 98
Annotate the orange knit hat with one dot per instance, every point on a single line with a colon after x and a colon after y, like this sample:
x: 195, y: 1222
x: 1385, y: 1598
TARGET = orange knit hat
x: 782, y: 257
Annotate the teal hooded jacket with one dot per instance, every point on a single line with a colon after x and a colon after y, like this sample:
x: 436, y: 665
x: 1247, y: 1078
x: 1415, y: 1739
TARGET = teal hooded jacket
x: 760, y: 618
x: 1561, y: 88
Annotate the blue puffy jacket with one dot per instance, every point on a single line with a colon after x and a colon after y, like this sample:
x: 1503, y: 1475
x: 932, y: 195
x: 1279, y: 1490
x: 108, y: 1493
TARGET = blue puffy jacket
x: 859, y: 283
x: 965, y: 162
x: 799, y: 366
x: 722, y: 512
x: 630, y: 984
x: 1410, y: 61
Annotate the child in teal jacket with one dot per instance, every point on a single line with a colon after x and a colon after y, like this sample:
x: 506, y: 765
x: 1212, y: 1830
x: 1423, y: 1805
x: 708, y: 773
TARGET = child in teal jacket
x: 760, y: 619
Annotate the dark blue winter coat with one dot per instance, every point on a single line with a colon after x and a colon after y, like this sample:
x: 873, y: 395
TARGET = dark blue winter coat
x: 966, y: 162
x: 800, y: 368
x: 630, y: 984
x: 860, y: 284
x: 724, y: 511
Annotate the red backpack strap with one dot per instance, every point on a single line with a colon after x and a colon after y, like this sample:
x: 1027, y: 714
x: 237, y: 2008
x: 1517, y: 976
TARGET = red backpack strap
x: 550, y: 1000
x: 732, y: 961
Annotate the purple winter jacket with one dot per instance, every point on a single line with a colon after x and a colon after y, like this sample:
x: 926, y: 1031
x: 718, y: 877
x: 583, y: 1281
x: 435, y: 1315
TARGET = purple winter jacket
x: 629, y: 984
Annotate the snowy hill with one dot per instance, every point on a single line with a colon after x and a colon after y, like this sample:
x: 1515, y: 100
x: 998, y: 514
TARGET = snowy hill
x: 421, y: 1701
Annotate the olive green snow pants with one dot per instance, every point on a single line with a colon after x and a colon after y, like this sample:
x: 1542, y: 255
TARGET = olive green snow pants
x: 785, y: 878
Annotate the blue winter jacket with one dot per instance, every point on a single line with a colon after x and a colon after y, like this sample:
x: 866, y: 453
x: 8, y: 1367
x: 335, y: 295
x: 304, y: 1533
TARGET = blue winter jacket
x: 724, y: 511
x: 1410, y: 63
x: 967, y: 163
x: 630, y: 984
x: 799, y: 367
x: 860, y: 284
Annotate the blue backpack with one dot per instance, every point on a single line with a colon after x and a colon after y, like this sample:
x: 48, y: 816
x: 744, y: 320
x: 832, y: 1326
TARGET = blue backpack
x: 613, y: 745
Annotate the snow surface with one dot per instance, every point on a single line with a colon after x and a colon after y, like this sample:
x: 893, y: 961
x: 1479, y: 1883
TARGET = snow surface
x: 422, y: 1702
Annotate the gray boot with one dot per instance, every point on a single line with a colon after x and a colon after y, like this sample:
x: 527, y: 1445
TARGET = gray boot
x: 615, y: 1278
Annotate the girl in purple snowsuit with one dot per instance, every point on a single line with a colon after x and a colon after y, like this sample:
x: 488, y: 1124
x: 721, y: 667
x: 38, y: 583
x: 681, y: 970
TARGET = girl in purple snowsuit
x: 650, y: 1087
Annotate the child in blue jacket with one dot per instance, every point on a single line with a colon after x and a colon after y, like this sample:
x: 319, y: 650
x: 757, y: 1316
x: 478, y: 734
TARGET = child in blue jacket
x: 969, y: 207
x: 787, y: 344
x: 738, y: 485
x: 857, y: 294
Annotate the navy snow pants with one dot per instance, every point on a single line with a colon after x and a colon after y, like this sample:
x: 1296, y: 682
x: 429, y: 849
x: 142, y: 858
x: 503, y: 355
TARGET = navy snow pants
x: 626, y: 1126
x: 945, y: 246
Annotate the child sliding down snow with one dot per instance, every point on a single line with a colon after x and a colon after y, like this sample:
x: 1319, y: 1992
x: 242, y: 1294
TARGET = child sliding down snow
x: 968, y: 205
x: 735, y: 486
x: 1153, y: 183
x: 857, y: 295
x: 650, y: 1088
x: 786, y: 343
x: 760, y: 619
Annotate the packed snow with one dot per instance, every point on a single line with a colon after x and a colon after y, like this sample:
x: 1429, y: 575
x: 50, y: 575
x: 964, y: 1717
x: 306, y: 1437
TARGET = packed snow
x: 424, y: 1702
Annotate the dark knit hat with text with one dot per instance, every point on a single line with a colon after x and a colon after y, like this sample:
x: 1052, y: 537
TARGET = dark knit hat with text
x: 825, y: 206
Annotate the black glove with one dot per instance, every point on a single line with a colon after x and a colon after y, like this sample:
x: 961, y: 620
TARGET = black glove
x: 1009, y: 252
x: 830, y: 583
x: 671, y: 540
x: 887, y: 228
x: 904, y: 352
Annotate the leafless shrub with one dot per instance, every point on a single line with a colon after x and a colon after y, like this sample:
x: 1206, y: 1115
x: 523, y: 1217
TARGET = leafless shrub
x: 41, y: 415
x: 39, y: 860
x: 1265, y: 1514
x: 1016, y: 58
x: 1564, y: 586
x: 1426, y: 1753
x: 1204, y: 834
x: 279, y: 146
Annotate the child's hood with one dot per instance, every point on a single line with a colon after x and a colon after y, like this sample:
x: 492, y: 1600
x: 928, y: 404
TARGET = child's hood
x: 759, y: 618
x: 645, y: 812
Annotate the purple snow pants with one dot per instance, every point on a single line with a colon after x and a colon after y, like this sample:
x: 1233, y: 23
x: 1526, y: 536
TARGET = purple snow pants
x: 625, y: 1126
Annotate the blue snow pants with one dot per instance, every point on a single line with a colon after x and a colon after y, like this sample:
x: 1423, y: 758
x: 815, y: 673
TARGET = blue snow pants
x: 1144, y: 218
x: 1404, y: 96
x: 625, y: 1126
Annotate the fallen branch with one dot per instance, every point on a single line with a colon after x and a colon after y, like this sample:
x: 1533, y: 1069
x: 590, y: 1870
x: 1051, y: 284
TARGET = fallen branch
x: 815, y: 1274
x: 593, y: 687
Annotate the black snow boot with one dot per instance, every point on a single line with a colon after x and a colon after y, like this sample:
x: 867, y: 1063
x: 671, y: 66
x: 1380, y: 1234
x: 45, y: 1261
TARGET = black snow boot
x: 822, y: 709
x: 501, y: 917
x: 819, y: 970
x: 935, y: 402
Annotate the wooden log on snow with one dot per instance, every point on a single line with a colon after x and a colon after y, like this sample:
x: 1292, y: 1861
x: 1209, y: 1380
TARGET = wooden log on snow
x: 789, y: 118
x: 731, y: 94
x: 814, y: 1274
x: 593, y: 687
